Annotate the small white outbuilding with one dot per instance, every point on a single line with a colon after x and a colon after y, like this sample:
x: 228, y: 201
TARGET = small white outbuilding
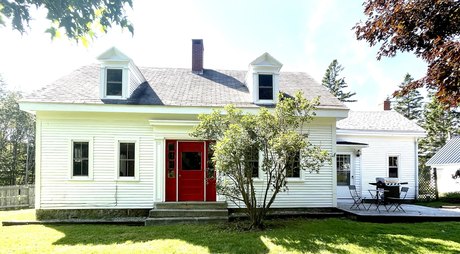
x: 446, y: 162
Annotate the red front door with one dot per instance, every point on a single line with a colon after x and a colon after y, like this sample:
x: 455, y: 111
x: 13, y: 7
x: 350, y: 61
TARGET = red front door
x: 191, y: 165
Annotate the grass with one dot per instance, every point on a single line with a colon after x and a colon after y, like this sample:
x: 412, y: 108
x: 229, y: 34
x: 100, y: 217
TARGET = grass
x: 437, y: 204
x: 283, y: 236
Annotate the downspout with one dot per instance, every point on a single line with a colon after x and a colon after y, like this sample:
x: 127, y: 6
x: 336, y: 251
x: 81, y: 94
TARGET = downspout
x: 416, y: 168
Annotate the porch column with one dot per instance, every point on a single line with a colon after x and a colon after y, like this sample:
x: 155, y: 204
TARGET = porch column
x: 159, y: 195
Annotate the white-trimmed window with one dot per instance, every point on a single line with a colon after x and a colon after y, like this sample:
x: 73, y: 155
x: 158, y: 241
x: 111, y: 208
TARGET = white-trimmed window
x: 81, y: 154
x: 113, y: 82
x: 293, y: 169
x: 127, y: 160
x: 252, y: 160
x: 393, y: 164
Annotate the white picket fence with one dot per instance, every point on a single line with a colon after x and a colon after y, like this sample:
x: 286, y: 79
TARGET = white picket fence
x: 17, y: 196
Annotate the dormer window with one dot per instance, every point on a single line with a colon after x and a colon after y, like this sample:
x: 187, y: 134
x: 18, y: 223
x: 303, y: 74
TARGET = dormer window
x: 114, y: 82
x: 119, y: 76
x: 265, y: 87
x: 262, y: 79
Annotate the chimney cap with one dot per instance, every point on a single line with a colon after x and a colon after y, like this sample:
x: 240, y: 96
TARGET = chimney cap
x: 197, y: 41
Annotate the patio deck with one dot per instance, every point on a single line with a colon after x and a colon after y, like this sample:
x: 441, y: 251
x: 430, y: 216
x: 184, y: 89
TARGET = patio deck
x: 414, y: 213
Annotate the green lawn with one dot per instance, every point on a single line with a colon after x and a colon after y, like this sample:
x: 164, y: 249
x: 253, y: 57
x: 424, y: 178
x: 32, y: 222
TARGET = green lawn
x: 283, y: 236
x: 437, y: 204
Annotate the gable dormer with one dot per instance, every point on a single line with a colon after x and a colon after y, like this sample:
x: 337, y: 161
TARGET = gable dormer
x: 262, y: 79
x: 119, y: 76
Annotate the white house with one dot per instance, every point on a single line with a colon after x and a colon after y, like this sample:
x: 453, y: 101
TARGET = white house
x: 447, y: 164
x: 116, y: 136
x: 377, y: 144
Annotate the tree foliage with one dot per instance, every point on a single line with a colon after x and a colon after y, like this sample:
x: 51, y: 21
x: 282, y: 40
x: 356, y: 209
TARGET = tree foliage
x: 440, y: 124
x: 409, y: 104
x: 278, y: 135
x: 79, y: 19
x: 17, y: 138
x: 335, y: 84
x: 428, y: 28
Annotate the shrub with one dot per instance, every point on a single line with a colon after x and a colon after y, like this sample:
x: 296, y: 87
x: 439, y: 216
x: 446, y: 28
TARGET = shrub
x: 451, y: 197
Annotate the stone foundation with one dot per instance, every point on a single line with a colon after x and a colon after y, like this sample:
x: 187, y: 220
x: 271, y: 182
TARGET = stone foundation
x: 63, y: 214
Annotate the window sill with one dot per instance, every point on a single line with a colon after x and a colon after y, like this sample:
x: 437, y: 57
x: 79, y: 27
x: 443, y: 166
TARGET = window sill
x: 295, y: 180
x: 265, y: 102
x: 127, y: 179
x: 80, y: 179
x: 114, y: 97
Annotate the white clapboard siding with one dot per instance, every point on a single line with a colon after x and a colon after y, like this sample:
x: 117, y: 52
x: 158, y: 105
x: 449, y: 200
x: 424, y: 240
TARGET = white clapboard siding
x: 374, y: 160
x: 58, y: 190
x: 312, y: 189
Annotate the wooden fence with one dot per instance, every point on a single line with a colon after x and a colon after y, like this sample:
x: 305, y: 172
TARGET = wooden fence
x: 17, y: 196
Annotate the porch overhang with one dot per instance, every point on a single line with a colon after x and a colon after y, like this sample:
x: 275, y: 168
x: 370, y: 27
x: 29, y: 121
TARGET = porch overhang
x: 351, y: 144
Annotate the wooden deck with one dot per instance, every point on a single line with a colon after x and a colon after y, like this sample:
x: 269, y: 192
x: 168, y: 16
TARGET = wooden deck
x: 414, y: 213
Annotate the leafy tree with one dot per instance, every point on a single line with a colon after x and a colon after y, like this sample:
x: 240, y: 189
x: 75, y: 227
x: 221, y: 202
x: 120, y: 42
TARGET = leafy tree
x: 17, y: 135
x: 335, y: 84
x: 79, y: 19
x: 410, y: 104
x: 429, y: 29
x: 278, y: 135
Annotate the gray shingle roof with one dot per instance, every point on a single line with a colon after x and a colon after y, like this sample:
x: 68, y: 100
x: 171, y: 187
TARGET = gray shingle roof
x: 177, y: 87
x: 448, y: 154
x: 378, y: 121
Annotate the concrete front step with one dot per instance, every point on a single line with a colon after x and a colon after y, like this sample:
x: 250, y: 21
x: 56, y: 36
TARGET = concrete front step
x: 175, y: 220
x: 162, y: 213
x: 191, y: 205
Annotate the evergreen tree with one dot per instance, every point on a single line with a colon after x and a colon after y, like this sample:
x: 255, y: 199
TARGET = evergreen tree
x: 410, y: 104
x: 336, y: 85
x: 439, y: 123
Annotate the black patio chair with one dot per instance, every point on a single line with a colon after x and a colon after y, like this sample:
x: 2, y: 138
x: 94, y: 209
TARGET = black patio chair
x: 357, y: 199
x: 378, y: 198
x: 397, y: 202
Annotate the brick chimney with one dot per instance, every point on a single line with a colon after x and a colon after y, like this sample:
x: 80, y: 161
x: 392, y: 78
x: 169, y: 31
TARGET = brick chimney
x: 197, y: 56
x: 387, y: 104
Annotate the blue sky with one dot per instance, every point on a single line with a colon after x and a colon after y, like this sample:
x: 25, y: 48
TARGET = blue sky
x: 304, y: 35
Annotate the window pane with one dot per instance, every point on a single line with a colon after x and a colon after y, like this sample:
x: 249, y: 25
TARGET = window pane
x: 76, y: 151
x: 84, y: 167
x: 265, y: 93
x: 266, y: 81
x: 114, y: 75
x: 191, y: 161
x: 131, y: 152
x: 343, y: 178
x: 393, y: 172
x: 130, y: 166
x: 123, y: 168
x: 77, y: 168
x: 84, y: 150
x: 114, y: 89
x: 123, y: 151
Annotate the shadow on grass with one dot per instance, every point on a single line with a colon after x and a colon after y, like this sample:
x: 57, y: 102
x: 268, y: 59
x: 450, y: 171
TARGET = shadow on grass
x: 330, y: 235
